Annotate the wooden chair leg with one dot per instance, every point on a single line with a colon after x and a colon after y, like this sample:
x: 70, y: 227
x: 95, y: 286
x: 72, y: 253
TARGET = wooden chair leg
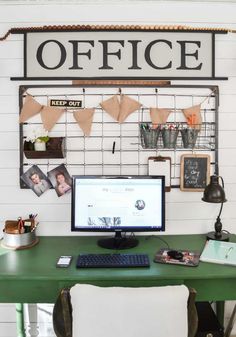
x: 230, y: 325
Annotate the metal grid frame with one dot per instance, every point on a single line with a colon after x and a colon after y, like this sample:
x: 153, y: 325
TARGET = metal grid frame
x: 98, y: 154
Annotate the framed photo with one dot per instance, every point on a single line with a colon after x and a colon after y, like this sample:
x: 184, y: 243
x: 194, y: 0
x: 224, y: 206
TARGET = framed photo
x: 60, y: 180
x: 35, y: 179
x: 194, y: 172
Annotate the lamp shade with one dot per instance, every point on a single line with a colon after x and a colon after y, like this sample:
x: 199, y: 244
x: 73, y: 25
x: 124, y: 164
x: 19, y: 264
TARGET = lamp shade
x: 214, y: 192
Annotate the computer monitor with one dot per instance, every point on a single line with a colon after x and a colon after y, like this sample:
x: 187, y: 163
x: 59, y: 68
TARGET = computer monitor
x: 118, y: 204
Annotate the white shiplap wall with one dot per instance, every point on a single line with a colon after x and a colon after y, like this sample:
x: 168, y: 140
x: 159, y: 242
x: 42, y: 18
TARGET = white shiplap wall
x: 54, y: 212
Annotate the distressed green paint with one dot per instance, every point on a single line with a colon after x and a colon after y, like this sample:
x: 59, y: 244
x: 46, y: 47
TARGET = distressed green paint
x: 31, y: 276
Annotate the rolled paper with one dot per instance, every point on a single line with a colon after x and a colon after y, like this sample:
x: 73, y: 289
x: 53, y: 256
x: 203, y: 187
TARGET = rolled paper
x: 50, y: 115
x: 127, y: 106
x: 112, y: 107
x: 159, y: 116
x: 84, y: 118
x: 30, y: 108
x: 193, y: 116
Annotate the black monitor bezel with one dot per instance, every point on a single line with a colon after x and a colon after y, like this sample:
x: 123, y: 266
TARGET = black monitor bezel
x: 123, y: 229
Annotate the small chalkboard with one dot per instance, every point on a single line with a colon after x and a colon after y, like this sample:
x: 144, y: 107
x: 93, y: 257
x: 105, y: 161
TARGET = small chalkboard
x: 194, y: 172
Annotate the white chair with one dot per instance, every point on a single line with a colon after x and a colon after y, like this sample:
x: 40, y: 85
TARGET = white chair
x: 90, y: 311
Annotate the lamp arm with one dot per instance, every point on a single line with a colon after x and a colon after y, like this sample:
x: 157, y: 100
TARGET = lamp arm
x: 222, y: 180
x: 221, y: 207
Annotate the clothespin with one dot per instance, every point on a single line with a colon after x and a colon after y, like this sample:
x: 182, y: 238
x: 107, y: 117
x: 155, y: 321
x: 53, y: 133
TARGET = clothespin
x: 21, y: 229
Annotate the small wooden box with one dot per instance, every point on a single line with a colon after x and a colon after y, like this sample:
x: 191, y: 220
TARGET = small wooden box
x: 55, y: 148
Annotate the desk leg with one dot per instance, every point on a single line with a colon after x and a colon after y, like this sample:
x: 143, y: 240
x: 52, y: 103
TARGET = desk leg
x: 20, y: 326
x: 220, y: 312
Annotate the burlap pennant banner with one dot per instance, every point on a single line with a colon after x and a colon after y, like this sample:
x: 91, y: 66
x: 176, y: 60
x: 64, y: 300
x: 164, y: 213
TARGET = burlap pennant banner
x: 50, y: 116
x: 120, y: 110
x: 159, y: 116
x: 119, y: 107
x: 112, y: 107
x: 84, y: 118
x: 193, y: 116
x: 30, y: 108
x: 127, y: 106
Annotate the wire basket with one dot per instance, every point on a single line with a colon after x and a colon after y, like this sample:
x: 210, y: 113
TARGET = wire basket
x: 169, y: 137
x: 189, y: 137
x: 149, y: 136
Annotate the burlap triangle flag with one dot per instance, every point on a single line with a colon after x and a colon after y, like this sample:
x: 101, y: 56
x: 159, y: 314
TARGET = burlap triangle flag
x: 112, y: 107
x: 29, y: 109
x: 84, y: 118
x: 127, y: 106
x: 159, y: 116
x: 193, y: 116
x: 50, y: 116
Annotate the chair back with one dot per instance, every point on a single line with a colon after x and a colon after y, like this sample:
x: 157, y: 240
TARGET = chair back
x: 62, y: 313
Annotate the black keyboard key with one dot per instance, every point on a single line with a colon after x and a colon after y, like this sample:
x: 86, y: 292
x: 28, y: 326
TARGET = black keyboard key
x: 112, y: 260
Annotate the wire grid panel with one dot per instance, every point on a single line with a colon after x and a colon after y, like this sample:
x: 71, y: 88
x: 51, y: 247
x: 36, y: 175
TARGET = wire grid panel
x: 116, y: 148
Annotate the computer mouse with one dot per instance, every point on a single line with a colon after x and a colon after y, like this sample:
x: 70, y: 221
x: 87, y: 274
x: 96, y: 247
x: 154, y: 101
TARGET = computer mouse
x: 175, y: 254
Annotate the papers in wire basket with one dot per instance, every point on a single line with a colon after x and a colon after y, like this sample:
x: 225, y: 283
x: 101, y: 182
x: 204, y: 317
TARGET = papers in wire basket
x: 219, y: 252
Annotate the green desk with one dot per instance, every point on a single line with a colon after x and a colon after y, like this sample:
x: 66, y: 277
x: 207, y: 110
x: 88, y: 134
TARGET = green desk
x: 31, y: 276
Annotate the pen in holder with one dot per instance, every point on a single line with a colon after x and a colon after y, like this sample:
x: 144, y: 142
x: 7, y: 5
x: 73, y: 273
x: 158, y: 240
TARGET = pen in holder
x: 20, y: 234
x: 149, y: 135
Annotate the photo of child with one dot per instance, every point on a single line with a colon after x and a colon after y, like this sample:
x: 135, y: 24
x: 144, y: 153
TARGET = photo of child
x: 60, y: 180
x: 35, y: 179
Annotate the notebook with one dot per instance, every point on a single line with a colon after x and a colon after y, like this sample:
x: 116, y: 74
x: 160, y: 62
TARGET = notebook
x: 219, y: 252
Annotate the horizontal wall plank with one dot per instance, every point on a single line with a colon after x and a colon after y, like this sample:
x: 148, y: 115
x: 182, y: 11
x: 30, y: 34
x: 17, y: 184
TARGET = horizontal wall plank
x: 227, y: 139
x: 11, y: 159
x: 169, y: 12
x: 225, y: 68
x: 227, y: 122
x: 62, y: 212
x: 9, y: 141
x: 10, y: 49
x: 9, y: 103
x: 11, y: 68
x: 177, y: 226
x: 9, y: 123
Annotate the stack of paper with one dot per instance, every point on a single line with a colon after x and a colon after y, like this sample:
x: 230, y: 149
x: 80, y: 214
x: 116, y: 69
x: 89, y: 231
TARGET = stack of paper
x: 219, y: 252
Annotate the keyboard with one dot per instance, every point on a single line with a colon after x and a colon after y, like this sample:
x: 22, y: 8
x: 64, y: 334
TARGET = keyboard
x: 112, y: 260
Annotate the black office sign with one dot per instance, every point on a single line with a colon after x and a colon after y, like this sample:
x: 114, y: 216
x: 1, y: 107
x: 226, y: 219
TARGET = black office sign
x: 65, y: 103
x: 119, y: 54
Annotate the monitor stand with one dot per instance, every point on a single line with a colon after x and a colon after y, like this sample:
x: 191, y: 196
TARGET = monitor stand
x: 118, y: 242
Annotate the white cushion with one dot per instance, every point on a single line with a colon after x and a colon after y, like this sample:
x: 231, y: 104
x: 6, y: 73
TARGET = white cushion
x: 129, y: 312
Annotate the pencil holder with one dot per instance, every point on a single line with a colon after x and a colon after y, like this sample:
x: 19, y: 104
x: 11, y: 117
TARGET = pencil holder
x: 169, y: 137
x: 19, y: 241
x: 149, y: 136
x: 189, y: 137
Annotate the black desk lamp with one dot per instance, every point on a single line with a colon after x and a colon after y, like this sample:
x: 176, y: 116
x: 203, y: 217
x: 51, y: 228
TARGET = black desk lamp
x: 214, y: 193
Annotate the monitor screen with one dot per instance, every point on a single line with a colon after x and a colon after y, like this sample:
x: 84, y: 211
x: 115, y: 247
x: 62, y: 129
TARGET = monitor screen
x: 118, y: 204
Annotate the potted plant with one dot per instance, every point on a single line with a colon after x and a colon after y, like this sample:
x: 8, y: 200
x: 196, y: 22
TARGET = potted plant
x: 38, y: 137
